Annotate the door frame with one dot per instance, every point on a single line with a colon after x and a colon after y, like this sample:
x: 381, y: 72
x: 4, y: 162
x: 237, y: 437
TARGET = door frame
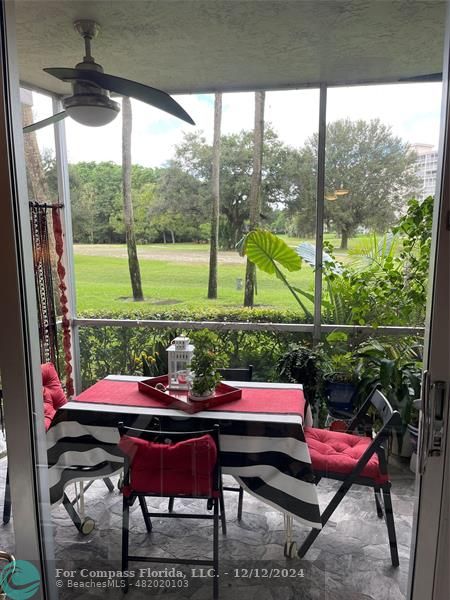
x: 429, y: 573
x: 19, y: 348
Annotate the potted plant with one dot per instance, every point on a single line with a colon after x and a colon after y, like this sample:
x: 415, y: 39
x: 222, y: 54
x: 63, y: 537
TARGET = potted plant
x: 147, y: 364
x: 396, y: 368
x: 340, y: 373
x: 341, y: 381
x: 303, y: 364
x: 208, y: 358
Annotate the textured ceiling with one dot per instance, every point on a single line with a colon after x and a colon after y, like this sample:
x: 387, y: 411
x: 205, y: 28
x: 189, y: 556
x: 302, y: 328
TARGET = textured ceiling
x: 206, y: 45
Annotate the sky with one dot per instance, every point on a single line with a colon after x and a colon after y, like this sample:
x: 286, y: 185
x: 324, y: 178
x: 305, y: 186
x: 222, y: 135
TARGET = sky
x: 412, y: 110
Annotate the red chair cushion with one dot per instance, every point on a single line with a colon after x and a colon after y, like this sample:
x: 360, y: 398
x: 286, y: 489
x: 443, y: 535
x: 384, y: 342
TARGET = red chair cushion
x: 50, y: 381
x: 339, y: 426
x: 49, y: 409
x: 181, y: 469
x: 337, y: 452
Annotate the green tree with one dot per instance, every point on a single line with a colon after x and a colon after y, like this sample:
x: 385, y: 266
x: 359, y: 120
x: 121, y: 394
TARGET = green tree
x: 84, y: 214
x: 193, y: 157
x: 365, y: 158
x: 96, y: 198
x: 143, y: 201
x: 300, y: 207
x: 105, y: 179
x: 182, y: 204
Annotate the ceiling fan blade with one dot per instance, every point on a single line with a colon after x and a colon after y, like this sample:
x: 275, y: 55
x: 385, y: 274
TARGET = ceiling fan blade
x: 125, y: 87
x: 66, y: 74
x: 48, y: 121
x: 423, y: 78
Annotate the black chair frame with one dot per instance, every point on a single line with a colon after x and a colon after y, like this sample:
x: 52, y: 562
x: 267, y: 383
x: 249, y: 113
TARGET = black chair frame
x: 67, y: 503
x: 215, y: 503
x: 391, y: 421
x: 84, y: 526
x: 237, y: 373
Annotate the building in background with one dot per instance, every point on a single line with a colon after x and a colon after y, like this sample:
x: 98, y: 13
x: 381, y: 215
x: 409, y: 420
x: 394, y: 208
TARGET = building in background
x: 426, y: 168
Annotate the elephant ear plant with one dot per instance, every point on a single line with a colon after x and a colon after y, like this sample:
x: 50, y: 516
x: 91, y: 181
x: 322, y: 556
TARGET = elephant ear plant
x: 271, y: 254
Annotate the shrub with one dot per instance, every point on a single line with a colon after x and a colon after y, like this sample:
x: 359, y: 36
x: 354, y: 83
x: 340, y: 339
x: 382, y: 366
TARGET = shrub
x: 106, y: 350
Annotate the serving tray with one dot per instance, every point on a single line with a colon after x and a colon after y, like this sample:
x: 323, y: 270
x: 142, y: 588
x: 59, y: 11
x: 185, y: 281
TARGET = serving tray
x: 179, y: 399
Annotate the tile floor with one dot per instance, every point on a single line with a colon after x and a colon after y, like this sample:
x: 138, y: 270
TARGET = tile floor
x: 349, y: 560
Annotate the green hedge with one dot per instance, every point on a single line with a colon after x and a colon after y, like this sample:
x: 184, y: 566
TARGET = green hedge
x: 246, y: 315
x: 106, y: 350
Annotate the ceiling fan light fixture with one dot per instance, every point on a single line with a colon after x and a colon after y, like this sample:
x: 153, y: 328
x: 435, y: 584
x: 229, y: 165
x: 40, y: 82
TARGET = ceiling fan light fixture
x: 93, y: 111
x: 92, y: 116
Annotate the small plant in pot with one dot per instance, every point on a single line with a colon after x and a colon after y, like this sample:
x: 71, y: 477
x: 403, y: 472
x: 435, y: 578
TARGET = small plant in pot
x: 208, y: 358
x: 341, y: 381
x: 303, y: 364
x: 340, y: 372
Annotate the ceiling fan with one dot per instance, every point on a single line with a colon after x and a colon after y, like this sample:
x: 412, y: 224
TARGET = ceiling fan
x: 90, y: 103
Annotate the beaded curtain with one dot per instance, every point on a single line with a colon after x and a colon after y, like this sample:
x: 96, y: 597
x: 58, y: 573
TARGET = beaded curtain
x: 45, y: 288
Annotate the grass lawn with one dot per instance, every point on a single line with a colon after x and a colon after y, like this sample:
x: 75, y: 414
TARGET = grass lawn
x: 103, y: 284
x: 176, y: 276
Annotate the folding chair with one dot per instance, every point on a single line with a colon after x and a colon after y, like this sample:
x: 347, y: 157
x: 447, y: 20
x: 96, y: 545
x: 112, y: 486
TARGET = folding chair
x: 54, y: 398
x: 351, y: 459
x: 176, y: 464
x: 237, y: 374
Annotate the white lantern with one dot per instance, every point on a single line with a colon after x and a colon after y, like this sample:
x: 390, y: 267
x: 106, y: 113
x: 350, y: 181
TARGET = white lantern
x: 179, y: 355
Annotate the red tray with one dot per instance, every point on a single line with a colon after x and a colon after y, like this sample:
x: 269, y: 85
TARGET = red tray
x: 179, y: 398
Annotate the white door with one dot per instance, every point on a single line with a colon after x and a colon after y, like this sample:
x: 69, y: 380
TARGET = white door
x: 430, y: 565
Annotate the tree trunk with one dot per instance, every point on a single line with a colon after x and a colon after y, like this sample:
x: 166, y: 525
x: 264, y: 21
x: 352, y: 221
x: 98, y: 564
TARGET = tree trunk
x: 215, y: 181
x: 172, y: 235
x: 37, y: 184
x: 255, y: 191
x: 344, y: 239
x: 133, y: 262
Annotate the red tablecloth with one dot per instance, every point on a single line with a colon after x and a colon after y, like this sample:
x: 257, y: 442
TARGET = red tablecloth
x: 254, y: 400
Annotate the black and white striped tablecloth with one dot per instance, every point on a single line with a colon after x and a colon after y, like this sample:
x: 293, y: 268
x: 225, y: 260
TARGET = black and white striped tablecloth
x: 266, y: 453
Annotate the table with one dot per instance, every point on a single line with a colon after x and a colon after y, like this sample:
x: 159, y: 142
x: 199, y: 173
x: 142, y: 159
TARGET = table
x: 265, y: 451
